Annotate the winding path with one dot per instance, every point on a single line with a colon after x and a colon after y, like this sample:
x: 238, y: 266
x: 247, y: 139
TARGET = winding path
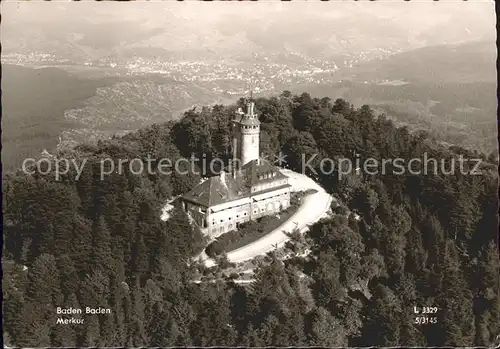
x: 314, y: 207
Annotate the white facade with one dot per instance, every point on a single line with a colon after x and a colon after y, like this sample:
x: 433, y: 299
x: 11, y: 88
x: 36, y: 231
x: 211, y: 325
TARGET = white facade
x: 249, y: 143
x: 246, y: 135
x: 221, y: 221
x: 222, y: 203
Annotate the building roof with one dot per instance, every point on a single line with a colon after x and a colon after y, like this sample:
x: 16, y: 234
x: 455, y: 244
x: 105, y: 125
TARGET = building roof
x: 226, y: 187
x: 216, y: 190
x: 261, y: 171
x: 250, y: 118
x: 248, y: 121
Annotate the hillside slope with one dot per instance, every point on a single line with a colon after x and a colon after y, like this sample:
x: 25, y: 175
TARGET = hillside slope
x: 47, y: 107
x: 33, y: 106
x: 449, y: 90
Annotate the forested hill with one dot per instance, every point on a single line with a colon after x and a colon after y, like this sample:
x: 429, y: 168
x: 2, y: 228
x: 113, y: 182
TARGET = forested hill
x: 423, y: 240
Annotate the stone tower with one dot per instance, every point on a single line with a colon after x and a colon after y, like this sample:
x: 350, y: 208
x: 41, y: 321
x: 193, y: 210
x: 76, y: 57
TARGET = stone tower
x: 246, y: 135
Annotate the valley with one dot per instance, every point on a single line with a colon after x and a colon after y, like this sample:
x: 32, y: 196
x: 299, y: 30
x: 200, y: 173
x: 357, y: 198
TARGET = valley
x: 434, y: 88
x: 447, y: 90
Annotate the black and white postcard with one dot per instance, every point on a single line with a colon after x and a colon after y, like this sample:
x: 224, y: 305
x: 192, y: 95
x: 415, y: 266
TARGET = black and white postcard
x: 249, y: 174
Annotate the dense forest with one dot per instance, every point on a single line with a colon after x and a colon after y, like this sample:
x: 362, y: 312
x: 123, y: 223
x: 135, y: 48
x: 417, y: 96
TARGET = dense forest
x: 422, y: 240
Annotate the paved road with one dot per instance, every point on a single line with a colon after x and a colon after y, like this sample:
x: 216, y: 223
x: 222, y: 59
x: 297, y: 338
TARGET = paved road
x: 313, y: 208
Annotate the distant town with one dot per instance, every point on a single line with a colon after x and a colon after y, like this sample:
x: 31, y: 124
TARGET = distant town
x: 230, y: 77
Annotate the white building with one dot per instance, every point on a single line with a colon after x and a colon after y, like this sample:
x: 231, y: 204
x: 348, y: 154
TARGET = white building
x: 251, y: 188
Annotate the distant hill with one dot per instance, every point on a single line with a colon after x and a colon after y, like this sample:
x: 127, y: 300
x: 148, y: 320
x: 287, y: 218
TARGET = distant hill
x: 460, y: 63
x: 85, y: 33
x: 33, y: 106
x: 131, y: 104
x: 449, y: 90
x: 47, y: 107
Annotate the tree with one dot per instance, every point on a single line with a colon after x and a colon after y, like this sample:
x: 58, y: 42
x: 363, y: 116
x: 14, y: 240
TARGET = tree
x: 14, y: 315
x: 384, y: 319
x: 326, y: 330
x: 140, y: 256
x: 416, y: 255
x: 44, y: 283
x: 299, y: 149
x: 487, y: 303
x: 91, y: 337
x: 101, y: 252
x: 373, y: 266
x: 68, y: 275
x: 94, y: 290
x: 159, y: 328
x: 423, y: 240
x: 304, y: 114
x: 489, y: 265
x: 37, y: 333
x: 327, y: 288
x: 341, y: 106
x: 137, y: 324
x: 455, y: 318
x: 81, y: 244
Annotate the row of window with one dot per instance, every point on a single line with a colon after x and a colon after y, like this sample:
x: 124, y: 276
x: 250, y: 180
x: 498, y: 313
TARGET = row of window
x: 222, y: 228
x: 268, y: 186
x: 270, y: 207
x: 230, y: 226
x: 267, y: 175
x: 255, y: 211
x: 230, y: 218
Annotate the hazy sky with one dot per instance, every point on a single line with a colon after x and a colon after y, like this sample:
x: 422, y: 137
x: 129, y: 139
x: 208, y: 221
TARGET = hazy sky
x: 414, y: 13
x: 174, y: 24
